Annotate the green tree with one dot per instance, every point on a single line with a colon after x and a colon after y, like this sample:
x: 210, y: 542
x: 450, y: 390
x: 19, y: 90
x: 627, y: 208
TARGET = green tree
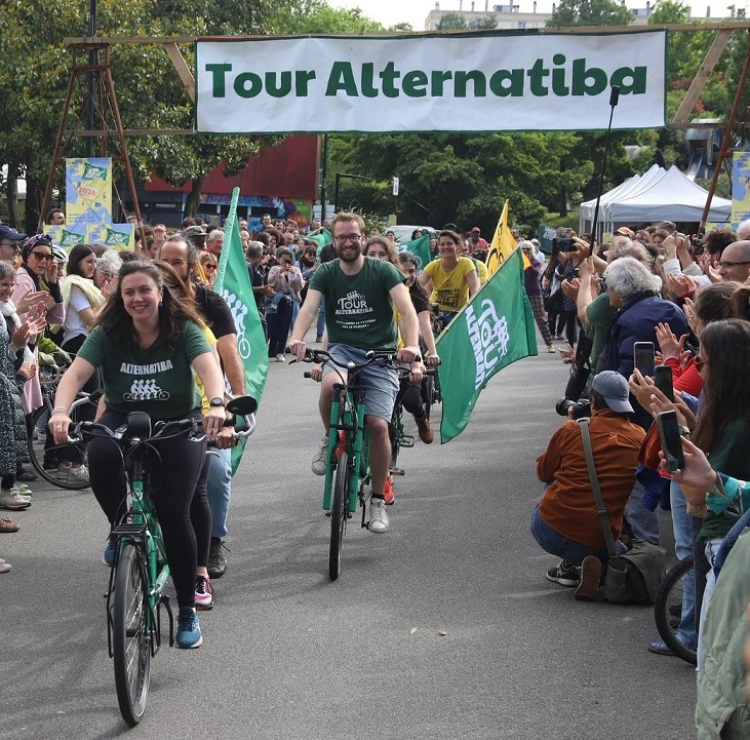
x: 590, y: 13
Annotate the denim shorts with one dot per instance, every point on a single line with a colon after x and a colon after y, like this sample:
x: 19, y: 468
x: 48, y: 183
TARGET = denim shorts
x: 380, y: 383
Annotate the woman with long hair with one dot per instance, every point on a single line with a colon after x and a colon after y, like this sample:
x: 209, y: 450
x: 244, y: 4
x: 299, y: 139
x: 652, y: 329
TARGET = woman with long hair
x: 147, y: 343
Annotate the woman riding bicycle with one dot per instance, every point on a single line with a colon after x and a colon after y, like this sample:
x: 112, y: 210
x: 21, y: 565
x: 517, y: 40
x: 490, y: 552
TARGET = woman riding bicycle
x: 146, y: 345
x: 380, y: 248
x: 452, y: 278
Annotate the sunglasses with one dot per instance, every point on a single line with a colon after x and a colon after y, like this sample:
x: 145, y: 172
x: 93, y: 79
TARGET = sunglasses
x: 700, y: 362
x: 210, y: 266
x: 42, y: 256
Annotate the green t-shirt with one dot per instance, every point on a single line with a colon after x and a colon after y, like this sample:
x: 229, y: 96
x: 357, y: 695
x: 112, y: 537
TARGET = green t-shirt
x: 156, y: 380
x: 359, y: 309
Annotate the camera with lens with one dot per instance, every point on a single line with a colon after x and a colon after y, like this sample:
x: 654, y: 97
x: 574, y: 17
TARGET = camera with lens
x: 580, y: 408
x: 696, y: 241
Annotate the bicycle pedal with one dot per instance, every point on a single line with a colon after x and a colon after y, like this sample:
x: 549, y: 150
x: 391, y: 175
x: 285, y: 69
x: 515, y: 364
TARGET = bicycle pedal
x: 398, y: 471
x: 407, y: 441
x: 130, y: 529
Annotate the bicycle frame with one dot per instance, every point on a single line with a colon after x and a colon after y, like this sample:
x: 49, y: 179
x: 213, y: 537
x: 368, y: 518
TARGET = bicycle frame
x: 140, y: 527
x: 347, y: 431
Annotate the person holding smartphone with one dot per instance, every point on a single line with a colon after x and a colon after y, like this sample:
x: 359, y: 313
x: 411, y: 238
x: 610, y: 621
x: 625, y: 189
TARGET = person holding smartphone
x: 281, y: 308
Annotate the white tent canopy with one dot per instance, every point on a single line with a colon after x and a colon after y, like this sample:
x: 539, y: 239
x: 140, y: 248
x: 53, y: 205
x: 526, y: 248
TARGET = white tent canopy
x: 659, y: 195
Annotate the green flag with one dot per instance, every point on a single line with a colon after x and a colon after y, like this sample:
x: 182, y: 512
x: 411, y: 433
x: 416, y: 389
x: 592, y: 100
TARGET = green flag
x: 234, y: 286
x: 322, y: 238
x: 419, y: 248
x: 493, y: 330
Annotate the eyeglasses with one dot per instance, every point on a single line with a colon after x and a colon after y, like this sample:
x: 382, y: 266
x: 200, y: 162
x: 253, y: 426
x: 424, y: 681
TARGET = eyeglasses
x: 42, y: 256
x: 7, y: 285
x: 700, y: 362
x: 344, y: 238
x: 11, y: 245
x: 210, y: 266
x: 732, y: 264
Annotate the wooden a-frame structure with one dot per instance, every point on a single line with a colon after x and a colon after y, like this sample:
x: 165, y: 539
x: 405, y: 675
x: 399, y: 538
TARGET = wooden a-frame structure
x: 107, y: 110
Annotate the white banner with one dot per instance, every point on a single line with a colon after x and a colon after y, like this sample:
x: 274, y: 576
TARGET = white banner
x: 482, y: 82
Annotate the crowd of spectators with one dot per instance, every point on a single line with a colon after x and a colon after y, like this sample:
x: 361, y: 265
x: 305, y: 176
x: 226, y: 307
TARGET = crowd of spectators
x: 688, y: 298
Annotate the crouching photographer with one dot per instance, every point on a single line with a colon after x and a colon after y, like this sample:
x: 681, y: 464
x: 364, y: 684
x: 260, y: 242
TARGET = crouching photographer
x: 565, y: 522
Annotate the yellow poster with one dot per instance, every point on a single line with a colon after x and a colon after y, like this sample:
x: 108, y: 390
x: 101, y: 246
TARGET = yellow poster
x: 88, y: 193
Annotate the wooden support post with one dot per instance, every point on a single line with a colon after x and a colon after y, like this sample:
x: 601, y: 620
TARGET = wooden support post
x: 726, y: 143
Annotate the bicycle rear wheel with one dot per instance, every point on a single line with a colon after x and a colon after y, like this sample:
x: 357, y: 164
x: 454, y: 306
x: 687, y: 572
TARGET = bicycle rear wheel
x: 131, y: 634
x: 339, y: 515
x: 62, y: 465
x: 668, y: 608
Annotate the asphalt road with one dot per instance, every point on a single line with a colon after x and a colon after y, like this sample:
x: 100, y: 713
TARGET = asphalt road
x: 443, y: 628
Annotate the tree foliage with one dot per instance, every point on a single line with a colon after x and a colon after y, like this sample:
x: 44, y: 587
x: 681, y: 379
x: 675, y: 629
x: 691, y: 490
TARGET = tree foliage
x: 459, y: 22
x: 590, y: 13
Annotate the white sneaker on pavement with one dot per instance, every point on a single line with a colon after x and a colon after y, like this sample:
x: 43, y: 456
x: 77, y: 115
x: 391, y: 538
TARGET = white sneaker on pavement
x: 319, y: 461
x: 378, y: 516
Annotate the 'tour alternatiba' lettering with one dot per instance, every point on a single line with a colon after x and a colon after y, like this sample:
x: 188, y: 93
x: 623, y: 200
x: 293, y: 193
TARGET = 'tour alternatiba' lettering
x: 155, y: 367
x: 562, y: 79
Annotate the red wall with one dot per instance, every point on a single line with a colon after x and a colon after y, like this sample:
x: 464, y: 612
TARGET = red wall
x: 289, y: 170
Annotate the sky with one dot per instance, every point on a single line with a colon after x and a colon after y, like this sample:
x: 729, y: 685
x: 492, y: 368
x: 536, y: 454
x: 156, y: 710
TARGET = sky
x: 391, y: 12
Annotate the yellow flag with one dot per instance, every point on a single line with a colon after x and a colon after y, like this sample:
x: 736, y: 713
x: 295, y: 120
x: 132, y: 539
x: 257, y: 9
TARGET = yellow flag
x: 502, y: 245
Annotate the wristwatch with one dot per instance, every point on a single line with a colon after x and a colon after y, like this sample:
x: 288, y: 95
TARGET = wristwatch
x: 216, y: 402
x: 684, y: 431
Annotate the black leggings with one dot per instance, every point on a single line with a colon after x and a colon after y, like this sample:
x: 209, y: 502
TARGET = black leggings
x: 175, y: 474
x: 410, y: 397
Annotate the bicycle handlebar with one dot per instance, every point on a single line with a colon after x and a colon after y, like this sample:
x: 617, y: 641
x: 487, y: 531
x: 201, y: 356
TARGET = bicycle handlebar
x: 384, y: 359
x: 243, y: 406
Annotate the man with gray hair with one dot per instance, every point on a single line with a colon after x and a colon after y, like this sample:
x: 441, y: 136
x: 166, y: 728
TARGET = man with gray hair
x: 634, y: 292
x: 214, y: 242
x: 734, y: 263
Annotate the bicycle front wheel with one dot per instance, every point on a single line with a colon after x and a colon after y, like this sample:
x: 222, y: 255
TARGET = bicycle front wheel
x: 131, y: 634
x: 668, y: 609
x: 62, y: 465
x: 427, y: 390
x: 339, y: 514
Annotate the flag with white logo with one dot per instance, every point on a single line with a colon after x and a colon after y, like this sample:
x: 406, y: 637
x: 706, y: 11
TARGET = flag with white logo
x: 234, y: 286
x: 495, y: 329
x: 419, y: 248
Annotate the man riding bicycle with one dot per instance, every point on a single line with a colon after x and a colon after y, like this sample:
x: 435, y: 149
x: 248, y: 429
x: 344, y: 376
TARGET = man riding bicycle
x: 359, y: 297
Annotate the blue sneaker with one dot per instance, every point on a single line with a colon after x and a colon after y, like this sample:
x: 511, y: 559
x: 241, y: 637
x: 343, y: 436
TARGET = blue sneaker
x: 188, y: 629
x: 109, y: 551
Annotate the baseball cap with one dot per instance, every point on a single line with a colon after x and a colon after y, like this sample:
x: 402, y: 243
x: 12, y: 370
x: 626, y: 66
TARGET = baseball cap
x: 194, y: 231
x: 624, y: 231
x: 476, y: 228
x: 7, y: 233
x: 614, y: 389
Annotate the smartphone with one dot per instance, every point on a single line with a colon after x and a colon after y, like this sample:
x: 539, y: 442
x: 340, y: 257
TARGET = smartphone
x: 669, y: 431
x: 663, y: 380
x: 643, y: 354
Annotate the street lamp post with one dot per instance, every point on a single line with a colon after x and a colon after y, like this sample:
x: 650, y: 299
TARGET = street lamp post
x: 339, y: 175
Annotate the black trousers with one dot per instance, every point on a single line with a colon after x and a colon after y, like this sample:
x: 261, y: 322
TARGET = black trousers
x: 175, y: 467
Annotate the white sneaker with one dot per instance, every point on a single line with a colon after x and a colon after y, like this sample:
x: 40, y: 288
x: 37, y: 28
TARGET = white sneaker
x: 19, y: 490
x: 378, y: 516
x: 12, y: 502
x: 321, y: 458
x: 280, y: 358
x: 78, y: 473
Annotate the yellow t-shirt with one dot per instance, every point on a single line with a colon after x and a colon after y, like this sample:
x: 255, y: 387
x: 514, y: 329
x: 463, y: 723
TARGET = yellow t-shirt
x: 204, y: 399
x: 482, y: 271
x: 450, y: 290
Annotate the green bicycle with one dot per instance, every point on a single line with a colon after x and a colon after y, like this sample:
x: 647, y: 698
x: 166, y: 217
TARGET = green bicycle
x: 347, y: 467
x: 140, y: 571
